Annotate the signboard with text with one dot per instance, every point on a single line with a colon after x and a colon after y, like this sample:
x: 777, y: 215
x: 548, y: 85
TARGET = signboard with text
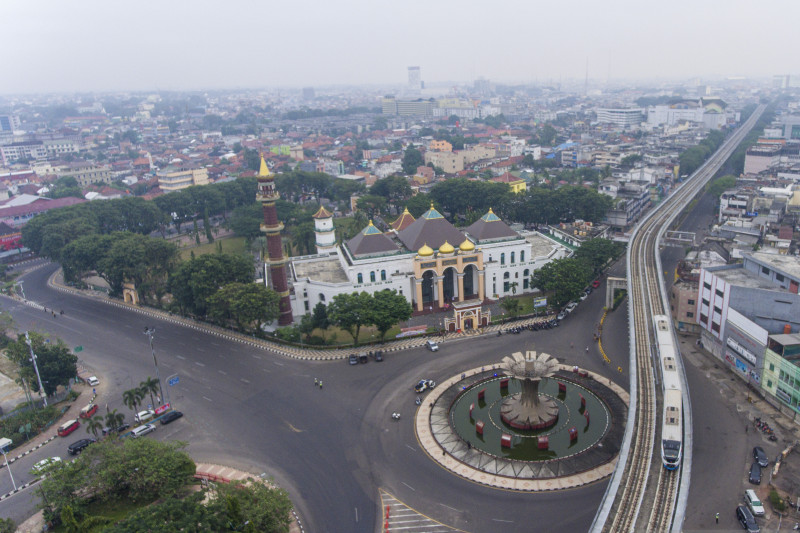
x: 162, y: 408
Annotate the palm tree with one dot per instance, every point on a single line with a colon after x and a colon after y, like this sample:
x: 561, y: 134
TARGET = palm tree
x: 114, y: 419
x: 150, y: 386
x: 93, y: 425
x: 131, y: 398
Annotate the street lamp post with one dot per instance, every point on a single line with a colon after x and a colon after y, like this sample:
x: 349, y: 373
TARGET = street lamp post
x: 4, y: 443
x: 22, y: 289
x: 149, y: 332
x: 36, y: 368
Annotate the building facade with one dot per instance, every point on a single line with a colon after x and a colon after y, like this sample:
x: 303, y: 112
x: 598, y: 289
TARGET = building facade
x: 174, y: 179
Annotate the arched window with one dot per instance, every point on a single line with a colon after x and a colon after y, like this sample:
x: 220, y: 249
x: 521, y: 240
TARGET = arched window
x: 372, y: 276
x: 383, y: 275
x: 512, y: 257
x: 360, y: 278
x: 522, y: 256
x: 503, y: 258
x: 506, y: 275
x: 321, y: 297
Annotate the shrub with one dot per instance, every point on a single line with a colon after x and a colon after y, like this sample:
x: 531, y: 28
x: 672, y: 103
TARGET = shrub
x: 775, y: 499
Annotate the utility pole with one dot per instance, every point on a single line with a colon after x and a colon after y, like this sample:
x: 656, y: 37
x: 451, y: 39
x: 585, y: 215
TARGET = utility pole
x: 149, y: 332
x: 36, y: 368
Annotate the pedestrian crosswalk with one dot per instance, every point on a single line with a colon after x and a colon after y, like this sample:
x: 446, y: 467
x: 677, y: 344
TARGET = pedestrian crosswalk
x: 398, y: 516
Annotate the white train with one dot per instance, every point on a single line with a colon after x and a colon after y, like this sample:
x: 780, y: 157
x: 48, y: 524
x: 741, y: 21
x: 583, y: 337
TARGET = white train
x: 672, y: 418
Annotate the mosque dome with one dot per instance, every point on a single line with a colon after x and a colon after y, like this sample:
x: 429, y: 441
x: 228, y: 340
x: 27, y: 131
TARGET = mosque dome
x: 446, y: 248
x: 425, y: 251
x: 466, y: 246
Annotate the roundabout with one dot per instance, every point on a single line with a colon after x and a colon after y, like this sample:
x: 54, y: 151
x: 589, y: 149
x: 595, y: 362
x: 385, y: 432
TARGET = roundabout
x: 526, y: 424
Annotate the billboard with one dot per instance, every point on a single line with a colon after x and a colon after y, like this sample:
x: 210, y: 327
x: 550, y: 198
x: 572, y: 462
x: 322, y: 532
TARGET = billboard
x: 539, y: 302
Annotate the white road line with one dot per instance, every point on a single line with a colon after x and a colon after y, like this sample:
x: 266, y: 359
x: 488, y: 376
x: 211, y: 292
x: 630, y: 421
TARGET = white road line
x: 207, y: 398
x: 180, y: 357
x: 200, y: 349
x: 443, y: 505
x: 243, y: 380
x: 409, y: 486
x: 198, y: 363
x: 411, y: 448
x: 276, y: 363
x: 501, y: 520
x: 256, y: 356
x: 222, y: 372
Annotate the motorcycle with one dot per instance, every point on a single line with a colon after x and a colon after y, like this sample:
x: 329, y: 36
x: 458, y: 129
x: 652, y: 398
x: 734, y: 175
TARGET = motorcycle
x: 395, y: 416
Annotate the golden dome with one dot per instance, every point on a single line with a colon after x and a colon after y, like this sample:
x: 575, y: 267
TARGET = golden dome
x: 425, y: 251
x: 466, y: 246
x: 446, y: 248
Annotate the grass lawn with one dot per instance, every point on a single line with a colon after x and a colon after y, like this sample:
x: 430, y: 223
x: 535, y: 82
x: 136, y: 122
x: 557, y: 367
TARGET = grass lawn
x: 366, y: 335
x: 114, y: 510
x: 231, y: 245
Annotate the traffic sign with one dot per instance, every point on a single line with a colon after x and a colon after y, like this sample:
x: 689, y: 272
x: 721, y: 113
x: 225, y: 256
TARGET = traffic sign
x: 173, y: 381
x: 78, y: 349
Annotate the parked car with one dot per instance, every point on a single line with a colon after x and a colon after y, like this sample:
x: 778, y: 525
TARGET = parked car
x: 755, y: 474
x: 144, y: 416
x: 353, y: 359
x: 142, y: 430
x: 43, y: 465
x: 746, y: 518
x: 378, y: 356
x: 88, y: 411
x: 570, y: 307
x: 595, y: 283
x: 68, y: 427
x: 588, y: 290
x: 752, y: 501
x: 584, y: 296
x: 363, y: 358
x: 432, y: 345
x: 170, y: 417
x: 93, y: 381
x: 760, y: 456
x: 79, y: 445
x: 562, y: 315
x: 119, y: 429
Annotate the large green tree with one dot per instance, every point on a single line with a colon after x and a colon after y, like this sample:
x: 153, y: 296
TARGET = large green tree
x: 597, y: 252
x: 350, y: 311
x: 564, y: 278
x: 389, y: 308
x: 412, y: 159
x: 193, y: 282
x: 248, y: 305
x: 57, y: 364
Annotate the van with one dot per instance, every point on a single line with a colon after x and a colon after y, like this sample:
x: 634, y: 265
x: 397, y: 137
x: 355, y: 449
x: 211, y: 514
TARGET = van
x: 142, y: 430
x: 144, y: 416
x: 752, y: 501
x: 432, y: 346
x: 68, y: 427
x: 88, y: 411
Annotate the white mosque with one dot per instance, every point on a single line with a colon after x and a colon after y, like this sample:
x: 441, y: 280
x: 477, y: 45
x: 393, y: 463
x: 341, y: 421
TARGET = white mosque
x: 432, y: 263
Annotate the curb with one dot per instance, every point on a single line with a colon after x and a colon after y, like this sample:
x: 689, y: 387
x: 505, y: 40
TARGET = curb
x: 19, y: 489
x: 23, y: 454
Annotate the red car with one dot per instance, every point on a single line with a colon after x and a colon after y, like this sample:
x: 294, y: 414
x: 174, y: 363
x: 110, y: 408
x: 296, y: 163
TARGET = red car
x: 596, y: 283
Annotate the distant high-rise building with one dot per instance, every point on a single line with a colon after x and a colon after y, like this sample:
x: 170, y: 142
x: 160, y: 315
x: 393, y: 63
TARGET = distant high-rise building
x: 308, y: 93
x: 414, y: 80
x: 780, y: 81
x: 483, y: 87
x: 9, y: 122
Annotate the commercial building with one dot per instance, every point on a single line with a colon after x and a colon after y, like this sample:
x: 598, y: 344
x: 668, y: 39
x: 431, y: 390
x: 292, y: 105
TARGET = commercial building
x: 414, y: 80
x: 450, y: 162
x: 622, y: 118
x: 174, y: 178
x: 405, y: 107
x: 26, y: 150
x: 760, y: 158
x: 86, y: 173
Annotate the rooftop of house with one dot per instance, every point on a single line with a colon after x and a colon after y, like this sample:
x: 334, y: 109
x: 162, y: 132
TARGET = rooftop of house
x: 327, y: 270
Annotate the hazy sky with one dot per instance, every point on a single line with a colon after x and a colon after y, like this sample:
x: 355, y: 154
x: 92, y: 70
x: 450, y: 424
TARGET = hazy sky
x: 84, y: 45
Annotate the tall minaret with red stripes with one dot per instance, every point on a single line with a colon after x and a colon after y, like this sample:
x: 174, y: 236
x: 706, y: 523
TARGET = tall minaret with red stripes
x: 276, y: 262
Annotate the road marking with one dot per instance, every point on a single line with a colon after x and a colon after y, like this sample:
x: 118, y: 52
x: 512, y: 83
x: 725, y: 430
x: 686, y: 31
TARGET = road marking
x: 243, y: 380
x: 256, y: 356
x: 356, y: 508
x: 411, y: 448
x: 294, y: 428
x: 215, y: 343
x: 180, y: 357
x: 207, y: 398
x: 200, y: 349
x: 198, y: 363
x: 501, y: 520
x: 443, y: 505
x: 409, y: 486
x: 276, y: 363
x: 222, y: 372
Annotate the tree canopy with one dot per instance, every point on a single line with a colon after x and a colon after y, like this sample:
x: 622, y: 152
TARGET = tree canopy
x: 248, y: 305
x: 57, y: 364
x: 565, y: 278
x: 193, y: 282
x: 412, y: 159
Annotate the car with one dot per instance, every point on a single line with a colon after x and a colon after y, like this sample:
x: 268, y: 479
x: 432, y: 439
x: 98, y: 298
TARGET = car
x: 746, y: 518
x: 760, y: 456
x: 353, y: 359
x: 588, y: 290
x: 431, y: 383
x: 570, y: 307
x: 432, y: 346
x: 119, y: 429
x: 584, y: 296
x: 170, y: 417
x: 45, y: 464
x: 755, y: 474
x: 422, y: 386
x: 562, y: 315
x: 378, y: 356
x: 142, y: 430
x: 93, y: 381
x: 752, y: 501
x: 595, y: 283
x: 144, y: 416
x: 363, y: 358
x: 79, y: 445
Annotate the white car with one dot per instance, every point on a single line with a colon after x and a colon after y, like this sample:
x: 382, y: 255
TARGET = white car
x: 432, y: 346
x: 45, y: 464
x: 144, y: 416
x: 93, y: 381
x: 570, y: 307
x: 142, y: 430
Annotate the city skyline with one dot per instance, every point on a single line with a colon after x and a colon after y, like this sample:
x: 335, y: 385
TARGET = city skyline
x: 200, y: 45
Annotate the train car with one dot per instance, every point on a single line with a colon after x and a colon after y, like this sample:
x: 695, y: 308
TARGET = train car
x: 672, y: 416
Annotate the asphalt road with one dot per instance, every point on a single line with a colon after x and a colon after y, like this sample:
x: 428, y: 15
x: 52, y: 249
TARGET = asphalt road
x: 331, y: 448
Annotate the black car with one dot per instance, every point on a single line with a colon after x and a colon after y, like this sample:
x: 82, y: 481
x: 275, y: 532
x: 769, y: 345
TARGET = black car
x: 363, y: 358
x: 378, y: 356
x: 78, y: 446
x: 760, y: 456
x: 755, y: 474
x: 118, y: 429
x: 746, y: 518
x: 171, y: 417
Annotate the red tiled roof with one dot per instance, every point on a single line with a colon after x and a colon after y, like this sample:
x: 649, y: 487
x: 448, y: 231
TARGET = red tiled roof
x: 39, y: 206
